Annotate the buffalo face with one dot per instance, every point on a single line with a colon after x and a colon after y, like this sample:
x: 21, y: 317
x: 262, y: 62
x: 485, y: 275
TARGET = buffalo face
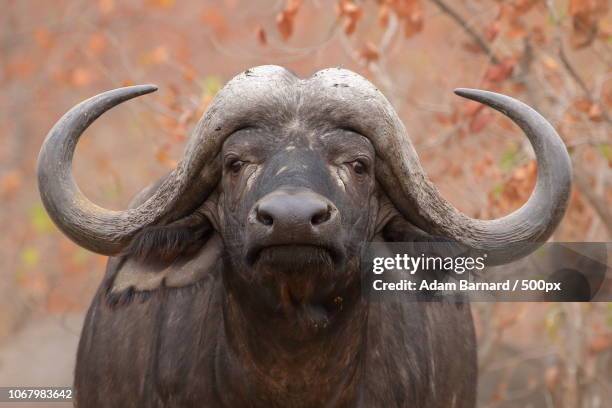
x: 296, y: 207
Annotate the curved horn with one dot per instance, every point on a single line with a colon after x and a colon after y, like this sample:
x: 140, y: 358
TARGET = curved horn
x: 184, y: 189
x: 347, y: 99
x: 518, y: 233
x: 93, y: 227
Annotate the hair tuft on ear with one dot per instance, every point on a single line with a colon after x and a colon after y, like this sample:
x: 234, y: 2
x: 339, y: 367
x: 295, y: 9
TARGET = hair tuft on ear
x: 398, y: 229
x: 162, y: 245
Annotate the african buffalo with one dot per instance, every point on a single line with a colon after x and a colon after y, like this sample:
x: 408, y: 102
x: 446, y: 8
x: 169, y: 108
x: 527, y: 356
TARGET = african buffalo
x: 235, y: 280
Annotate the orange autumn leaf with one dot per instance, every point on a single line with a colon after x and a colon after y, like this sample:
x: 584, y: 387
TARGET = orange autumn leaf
x: 189, y: 73
x: 106, y: 6
x: 162, y: 4
x: 156, y: 56
x: 582, y: 104
x: 349, y: 26
x: 369, y: 52
x: 517, y: 189
x: 214, y: 19
x: 501, y: 71
x: 163, y: 157
x: 577, y: 7
x: 19, y: 66
x: 523, y: 6
x: 551, y: 377
x: 480, y: 121
x: 492, y: 30
x: 484, y: 167
x: 511, y: 14
x: 34, y: 283
x: 516, y: 30
x: 284, y: 24
x: 525, y: 172
x: 58, y: 302
x: 285, y: 20
x: 97, y: 43
x: 81, y: 76
x: 538, y: 36
x: 10, y: 183
x: 595, y: 113
x: 383, y: 15
x: 508, y: 321
x: 600, y: 343
x: 351, y: 13
x: 549, y: 63
x: 585, y: 20
x: 410, y: 12
x: 43, y: 38
x: 404, y: 8
x: 413, y: 24
x: 472, y: 47
x: 471, y: 108
x: 447, y: 119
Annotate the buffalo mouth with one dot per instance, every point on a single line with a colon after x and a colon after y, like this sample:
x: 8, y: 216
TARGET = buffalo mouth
x: 301, y: 273
x: 305, y: 282
x: 294, y: 256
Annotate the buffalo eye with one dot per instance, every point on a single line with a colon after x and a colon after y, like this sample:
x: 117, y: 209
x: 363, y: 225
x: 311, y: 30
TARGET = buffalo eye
x: 235, y: 166
x: 359, y: 167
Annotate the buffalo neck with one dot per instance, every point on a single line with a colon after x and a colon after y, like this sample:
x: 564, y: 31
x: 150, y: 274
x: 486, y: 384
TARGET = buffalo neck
x: 269, y: 366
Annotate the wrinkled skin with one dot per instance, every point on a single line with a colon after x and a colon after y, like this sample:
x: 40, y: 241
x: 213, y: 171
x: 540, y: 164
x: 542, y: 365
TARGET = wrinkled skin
x: 280, y: 320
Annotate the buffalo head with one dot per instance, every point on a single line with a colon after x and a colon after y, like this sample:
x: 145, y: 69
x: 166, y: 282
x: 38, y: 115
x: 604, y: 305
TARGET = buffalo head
x: 294, y: 176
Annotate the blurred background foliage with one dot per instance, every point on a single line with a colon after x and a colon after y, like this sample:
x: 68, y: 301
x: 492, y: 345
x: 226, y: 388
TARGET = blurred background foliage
x: 556, y: 55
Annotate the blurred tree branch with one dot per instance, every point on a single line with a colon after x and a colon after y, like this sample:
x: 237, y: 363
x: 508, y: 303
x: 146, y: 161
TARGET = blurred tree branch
x: 468, y: 29
x: 598, y: 202
x: 579, y: 81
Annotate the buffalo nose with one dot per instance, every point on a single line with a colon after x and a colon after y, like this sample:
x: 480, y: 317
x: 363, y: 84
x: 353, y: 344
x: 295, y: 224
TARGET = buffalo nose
x: 294, y: 209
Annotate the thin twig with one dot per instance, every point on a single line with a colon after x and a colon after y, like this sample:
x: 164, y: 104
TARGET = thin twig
x: 469, y: 30
x: 593, y: 141
x: 571, y: 71
x: 580, y: 82
x: 569, y: 67
x: 598, y: 202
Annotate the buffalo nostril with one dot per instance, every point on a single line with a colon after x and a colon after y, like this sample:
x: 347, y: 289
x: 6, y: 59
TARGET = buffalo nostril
x: 321, y: 216
x: 292, y: 212
x: 264, y: 217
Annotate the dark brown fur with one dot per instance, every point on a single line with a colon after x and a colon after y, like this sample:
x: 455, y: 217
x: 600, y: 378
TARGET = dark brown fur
x: 393, y: 354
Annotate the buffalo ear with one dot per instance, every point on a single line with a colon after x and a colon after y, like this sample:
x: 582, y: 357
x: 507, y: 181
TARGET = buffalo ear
x: 399, y: 229
x: 135, y: 276
x: 179, y: 254
x: 391, y: 226
x: 161, y: 245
